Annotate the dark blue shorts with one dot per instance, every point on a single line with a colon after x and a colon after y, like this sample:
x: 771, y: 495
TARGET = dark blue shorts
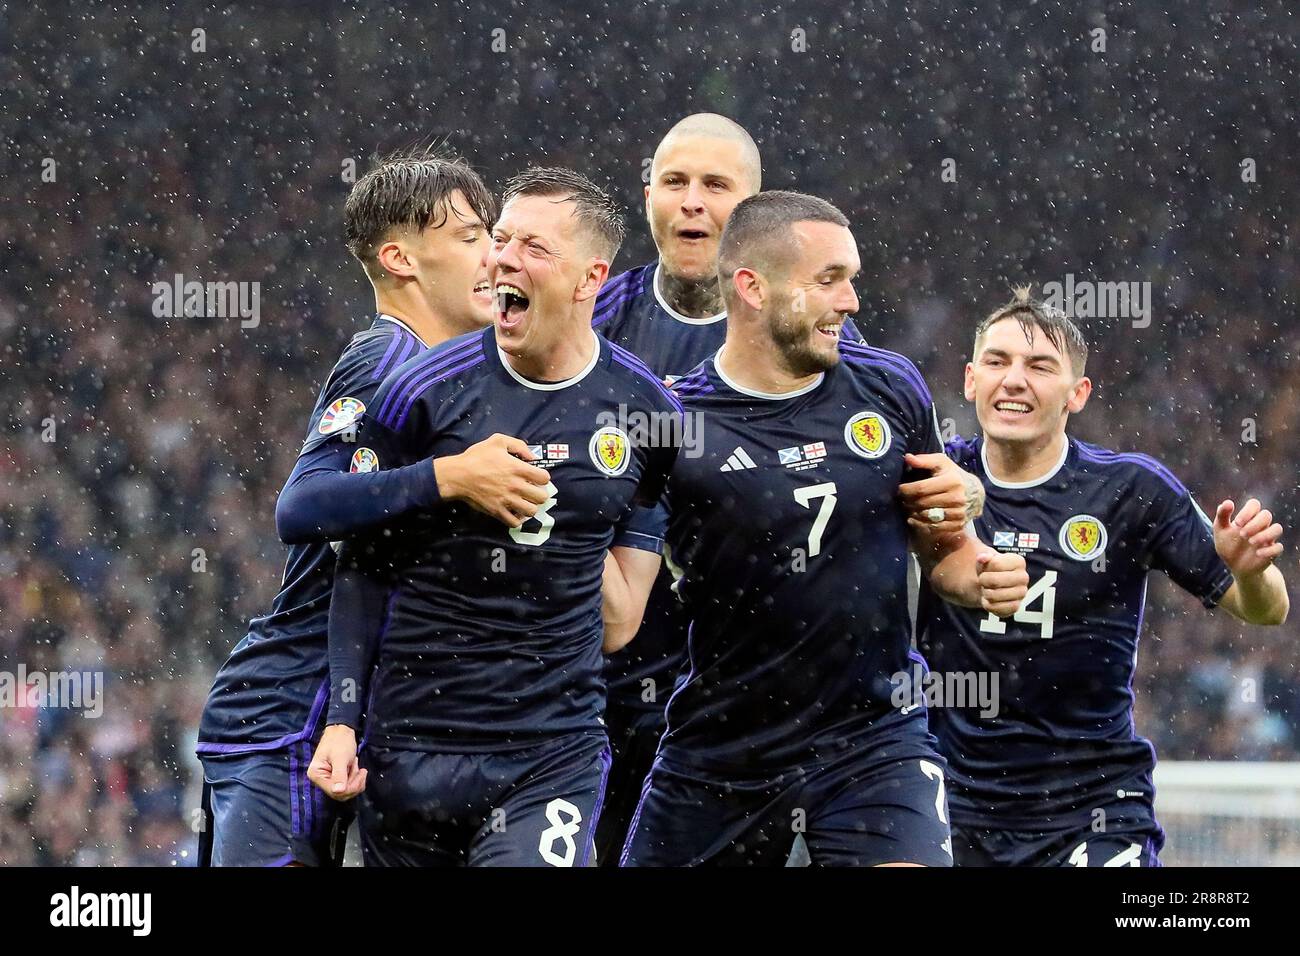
x: 982, y: 846
x: 874, y: 804
x: 261, y: 810
x: 535, y: 807
x: 634, y: 739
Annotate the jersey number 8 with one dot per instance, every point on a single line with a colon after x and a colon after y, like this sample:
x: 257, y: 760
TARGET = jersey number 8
x: 543, y: 518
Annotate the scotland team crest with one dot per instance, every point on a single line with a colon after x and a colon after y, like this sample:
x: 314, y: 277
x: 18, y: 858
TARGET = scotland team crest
x: 867, y: 433
x: 342, y: 413
x: 1083, y: 537
x: 364, y: 462
x: 610, y: 450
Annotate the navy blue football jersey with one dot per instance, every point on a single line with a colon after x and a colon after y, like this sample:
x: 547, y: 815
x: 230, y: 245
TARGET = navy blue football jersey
x: 271, y: 691
x: 491, y: 636
x: 1060, y: 741
x: 792, y: 544
x: 632, y: 312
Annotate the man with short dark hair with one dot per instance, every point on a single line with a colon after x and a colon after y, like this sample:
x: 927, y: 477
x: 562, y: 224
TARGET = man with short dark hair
x: 792, y: 544
x: 670, y: 314
x: 417, y: 222
x: 1055, y: 774
x: 484, y: 742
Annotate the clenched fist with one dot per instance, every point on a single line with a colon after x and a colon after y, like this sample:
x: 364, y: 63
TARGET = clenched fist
x: 1003, y: 582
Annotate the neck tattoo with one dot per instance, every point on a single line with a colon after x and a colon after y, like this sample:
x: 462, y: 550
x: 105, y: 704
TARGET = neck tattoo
x: 695, y: 299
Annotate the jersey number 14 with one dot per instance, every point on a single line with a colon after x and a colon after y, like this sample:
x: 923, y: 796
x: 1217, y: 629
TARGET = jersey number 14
x: 1044, y: 590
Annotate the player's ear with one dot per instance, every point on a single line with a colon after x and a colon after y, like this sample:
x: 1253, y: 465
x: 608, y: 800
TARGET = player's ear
x: 1079, y: 395
x: 394, y: 260
x: 592, y: 279
x: 751, y: 288
x: 968, y: 385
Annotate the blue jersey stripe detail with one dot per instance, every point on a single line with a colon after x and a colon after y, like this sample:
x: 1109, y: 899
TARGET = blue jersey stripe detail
x: 412, y: 347
x: 434, y: 360
x: 611, y: 309
x: 633, y: 360
x: 898, y: 363
x: 613, y: 289
x: 307, y: 733
x: 625, y: 358
x: 904, y: 365
x: 1106, y: 457
x: 409, y: 402
x: 382, y: 368
x: 405, y: 346
x: 614, y: 286
x: 696, y: 383
x: 692, y: 389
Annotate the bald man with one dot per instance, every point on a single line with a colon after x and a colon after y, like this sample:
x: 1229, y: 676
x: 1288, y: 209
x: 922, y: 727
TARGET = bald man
x: 670, y: 313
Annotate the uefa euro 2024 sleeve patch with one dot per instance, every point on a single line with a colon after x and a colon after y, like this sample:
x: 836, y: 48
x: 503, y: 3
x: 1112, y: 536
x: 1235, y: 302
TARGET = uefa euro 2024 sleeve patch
x: 364, y: 461
x: 342, y: 413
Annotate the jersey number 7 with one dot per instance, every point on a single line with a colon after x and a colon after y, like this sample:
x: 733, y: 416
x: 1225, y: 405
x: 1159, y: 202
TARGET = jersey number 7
x: 805, y: 496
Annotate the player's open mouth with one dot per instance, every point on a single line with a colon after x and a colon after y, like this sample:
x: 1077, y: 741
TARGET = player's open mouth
x: 483, y: 290
x: 692, y: 235
x: 829, y: 331
x: 1013, y: 408
x: 511, y: 303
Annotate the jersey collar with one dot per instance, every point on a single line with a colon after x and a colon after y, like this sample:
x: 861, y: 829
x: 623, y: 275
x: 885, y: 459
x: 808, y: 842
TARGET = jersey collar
x: 673, y: 313
x: 552, y: 386
x: 396, y: 321
x: 767, y: 396
x: 984, y: 460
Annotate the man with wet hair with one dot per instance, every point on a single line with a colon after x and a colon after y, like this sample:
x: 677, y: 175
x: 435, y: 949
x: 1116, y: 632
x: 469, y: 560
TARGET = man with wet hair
x: 417, y: 222
x: 1055, y: 774
x: 792, y: 547
x: 484, y: 739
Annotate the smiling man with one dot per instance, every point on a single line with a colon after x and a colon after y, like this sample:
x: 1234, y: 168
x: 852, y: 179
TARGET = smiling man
x: 1058, y: 776
x: 670, y: 313
x: 417, y: 224
x: 792, y: 544
x: 483, y: 726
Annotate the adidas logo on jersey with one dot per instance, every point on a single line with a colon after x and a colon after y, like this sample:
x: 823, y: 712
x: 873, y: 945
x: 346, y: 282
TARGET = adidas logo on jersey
x: 738, y: 460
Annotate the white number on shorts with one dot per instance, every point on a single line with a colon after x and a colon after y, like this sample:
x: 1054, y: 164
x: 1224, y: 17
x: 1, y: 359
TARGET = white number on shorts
x: 805, y: 496
x: 543, y: 517
x: 560, y: 829
x: 1080, y: 855
x: 1130, y: 857
x: 1043, y: 588
x: 933, y: 771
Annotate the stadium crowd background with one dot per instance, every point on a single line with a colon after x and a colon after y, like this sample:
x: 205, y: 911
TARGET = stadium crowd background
x: 225, y: 164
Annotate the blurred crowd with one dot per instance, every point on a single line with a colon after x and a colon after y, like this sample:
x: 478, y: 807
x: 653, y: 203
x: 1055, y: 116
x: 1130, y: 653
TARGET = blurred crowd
x: 141, y: 456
